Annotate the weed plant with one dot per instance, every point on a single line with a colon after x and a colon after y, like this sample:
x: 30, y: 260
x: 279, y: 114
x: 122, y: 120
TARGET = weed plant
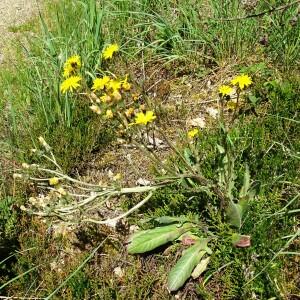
x: 197, y: 38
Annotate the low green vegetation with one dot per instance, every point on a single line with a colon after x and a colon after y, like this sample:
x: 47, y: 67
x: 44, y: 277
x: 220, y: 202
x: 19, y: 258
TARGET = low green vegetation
x: 150, y: 150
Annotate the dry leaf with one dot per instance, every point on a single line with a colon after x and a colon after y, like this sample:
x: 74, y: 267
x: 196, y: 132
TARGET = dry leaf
x: 242, y: 241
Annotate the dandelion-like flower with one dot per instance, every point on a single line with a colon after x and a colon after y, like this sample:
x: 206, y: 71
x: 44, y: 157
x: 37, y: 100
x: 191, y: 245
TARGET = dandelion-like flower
x: 70, y: 84
x: 109, y: 114
x: 105, y: 98
x: 53, y: 181
x: 114, y: 85
x: 72, y: 65
x: 68, y: 71
x: 125, y: 84
x: 144, y: 118
x: 100, y: 83
x: 117, y: 177
x: 225, y: 90
x: 110, y: 50
x: 192, y: 133
x: 242, y: 81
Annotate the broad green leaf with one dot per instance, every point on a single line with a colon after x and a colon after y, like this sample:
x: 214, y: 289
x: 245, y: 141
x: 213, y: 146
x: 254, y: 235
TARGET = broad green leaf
x: 137, y: 234
x: 185, y: 265
x: 234, y: 214
x: 201, y: 267
x: 148, y: 240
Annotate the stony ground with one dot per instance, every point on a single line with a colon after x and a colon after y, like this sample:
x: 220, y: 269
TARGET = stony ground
x: 12, y: 13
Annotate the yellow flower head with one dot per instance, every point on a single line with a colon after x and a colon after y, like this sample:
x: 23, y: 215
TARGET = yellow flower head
x: 242, y: 81
x: 68, y: 71
x: 72, y: 65
x: 192, y: 133
x: 53, y: 181
x: 100, y: 83
x: 144, y: 119
x: 109, y: 114
x: 110, y: 50
x: 105, y: 98
x: 74, y: 61
x: 117, y: 177
x: 225, y: 90
x: 125, y: 84
x: 70, y: 84
x: 96, y: 109
x: 114, y: 85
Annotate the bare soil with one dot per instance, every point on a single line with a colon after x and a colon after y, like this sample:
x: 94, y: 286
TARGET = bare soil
x: 13, y: 13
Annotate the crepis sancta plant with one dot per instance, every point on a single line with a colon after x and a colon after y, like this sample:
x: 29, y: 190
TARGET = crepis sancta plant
x: 232, y: 204
x: 194, y: 259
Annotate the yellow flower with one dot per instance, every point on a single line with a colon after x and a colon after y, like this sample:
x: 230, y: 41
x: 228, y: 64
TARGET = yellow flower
x: 110, y: 50
x: 109, y: 114
x: 100, y: 83
x: 192, y: 133
x: 105, y: 98
x: 71, y: 83
x: 125, y: 84
x: 117, y: 177
x: 68, y: 71
x: 144, y: 119
x: 96, y: 109
x: 114, y: 85
x: 74, y: 61
x: 225, y: 90
x: 53, y: 181
x: 242, y: 81
x: 72, y: 64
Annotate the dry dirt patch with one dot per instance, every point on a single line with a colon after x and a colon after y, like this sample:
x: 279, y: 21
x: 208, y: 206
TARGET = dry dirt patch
x: 13, y: 13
